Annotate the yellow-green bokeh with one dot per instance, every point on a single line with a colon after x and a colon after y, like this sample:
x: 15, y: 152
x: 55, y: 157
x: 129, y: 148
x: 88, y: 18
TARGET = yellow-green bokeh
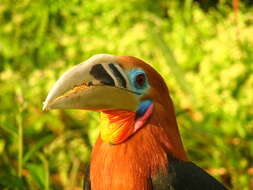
x: 204, y: 54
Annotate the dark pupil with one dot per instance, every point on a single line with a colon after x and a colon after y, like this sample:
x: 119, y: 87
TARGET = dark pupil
x: 140, y: 80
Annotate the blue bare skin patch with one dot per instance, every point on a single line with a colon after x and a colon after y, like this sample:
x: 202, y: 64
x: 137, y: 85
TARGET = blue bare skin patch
x: 138, y: 80
x: 143, y: 108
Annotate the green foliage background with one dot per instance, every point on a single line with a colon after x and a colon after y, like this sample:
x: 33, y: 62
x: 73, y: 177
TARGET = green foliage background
x: 205, y: 56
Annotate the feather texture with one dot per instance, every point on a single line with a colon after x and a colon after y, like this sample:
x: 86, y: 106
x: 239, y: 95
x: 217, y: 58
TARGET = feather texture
x: 130, y: 164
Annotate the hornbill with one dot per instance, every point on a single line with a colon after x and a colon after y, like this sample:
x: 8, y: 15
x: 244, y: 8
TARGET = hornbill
x: 139, y: 146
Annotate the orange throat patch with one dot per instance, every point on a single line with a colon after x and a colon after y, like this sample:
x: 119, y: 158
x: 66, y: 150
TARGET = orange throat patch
x: 116, y: 125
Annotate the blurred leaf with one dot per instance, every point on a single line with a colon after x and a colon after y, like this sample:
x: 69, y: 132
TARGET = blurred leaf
x: 38, y: 174
x: 171, y: 61
x: 12, y: 182
x: 41, y: 143
x: 10, y: 129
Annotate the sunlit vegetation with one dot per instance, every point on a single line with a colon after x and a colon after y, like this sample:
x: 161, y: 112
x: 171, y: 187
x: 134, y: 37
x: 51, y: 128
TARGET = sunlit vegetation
x: 203, y: 50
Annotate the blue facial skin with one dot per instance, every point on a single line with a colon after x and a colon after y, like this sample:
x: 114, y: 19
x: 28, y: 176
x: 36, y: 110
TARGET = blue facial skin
x: 140, y: 89
x: 143, y: 108
x: 132, y: 75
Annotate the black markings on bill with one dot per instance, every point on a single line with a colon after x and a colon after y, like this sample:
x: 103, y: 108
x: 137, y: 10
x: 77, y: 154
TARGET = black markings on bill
x: 100, y: 74
x: 118, y: 75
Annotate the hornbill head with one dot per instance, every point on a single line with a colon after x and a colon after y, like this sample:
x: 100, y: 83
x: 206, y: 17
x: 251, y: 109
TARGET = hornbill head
x: 124, y: 88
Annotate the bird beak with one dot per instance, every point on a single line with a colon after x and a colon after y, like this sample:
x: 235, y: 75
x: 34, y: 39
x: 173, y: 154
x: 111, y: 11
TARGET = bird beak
x: 92, y: 85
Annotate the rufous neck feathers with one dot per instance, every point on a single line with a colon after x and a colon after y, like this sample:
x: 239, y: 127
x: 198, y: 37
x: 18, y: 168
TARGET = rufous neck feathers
x: 142, y: 155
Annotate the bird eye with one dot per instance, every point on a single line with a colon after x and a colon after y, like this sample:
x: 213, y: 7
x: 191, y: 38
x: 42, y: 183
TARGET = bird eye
x: 140, y: 80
